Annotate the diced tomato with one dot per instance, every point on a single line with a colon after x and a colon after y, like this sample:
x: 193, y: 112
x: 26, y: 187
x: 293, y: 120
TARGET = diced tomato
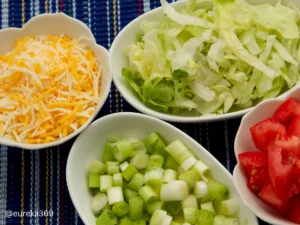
x: 294, y: 127
x: 294, y: 211
x: 287, y: 110
x: 291, y: 144
x: 279, y: 173
x: 296, y: 170
x: 253, y: 161
x: 268, y: 194
x: 294, y: 188
x: 257, y: 181
x: 266, y: 132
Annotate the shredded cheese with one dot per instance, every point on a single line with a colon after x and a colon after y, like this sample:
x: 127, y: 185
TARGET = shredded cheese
x: 49, y: 87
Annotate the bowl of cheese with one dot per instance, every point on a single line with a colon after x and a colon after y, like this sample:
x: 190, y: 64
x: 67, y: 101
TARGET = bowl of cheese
x: 54, y: 79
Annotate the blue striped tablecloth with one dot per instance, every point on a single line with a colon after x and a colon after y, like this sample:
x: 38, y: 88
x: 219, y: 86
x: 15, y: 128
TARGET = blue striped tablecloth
x: 36, y: 180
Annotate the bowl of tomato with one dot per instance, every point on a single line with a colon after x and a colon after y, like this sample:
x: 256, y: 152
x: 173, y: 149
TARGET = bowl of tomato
x: 267, y: 149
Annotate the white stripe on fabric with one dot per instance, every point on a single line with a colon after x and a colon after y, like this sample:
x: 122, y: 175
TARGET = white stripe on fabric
x: 3, y: 181
x: 51, y: 186
x: 74, y: 8
x: 89, y: 13
x: 31, y: 9
x: 227, y: 146
x: 119, y: 28
x: 58, y: 187
x: 108, y: 23
x: 31, y: 183
x: 57, y: 6
x: 37, y: 186
x: 4, y: 13
x: 147, y: 6
x: 50, y: 6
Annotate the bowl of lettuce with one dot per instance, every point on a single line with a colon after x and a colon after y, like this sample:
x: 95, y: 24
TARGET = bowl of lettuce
x: 200, y: 61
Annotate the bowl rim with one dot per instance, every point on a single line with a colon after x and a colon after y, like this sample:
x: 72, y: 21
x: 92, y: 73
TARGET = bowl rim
x: 144, y: 117
x: 90, y: 37
x: 129, y: 95
x: 238, y: 167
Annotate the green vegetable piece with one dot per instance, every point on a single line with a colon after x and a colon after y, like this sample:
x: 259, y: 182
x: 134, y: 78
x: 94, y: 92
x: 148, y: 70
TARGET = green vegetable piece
x: 190, y: 177
x: 155, y: 160
x: 128, y: 193
x: 179, y: 74
x: 108, y: 152
x: 125, y: 221
x: 171, y: 163
x: 129, y: 172
x: 153, y: 206
x: 136, y: 182
x: 147, y: 193
x: 173, y: 208
x: 94, y: 180
x: 205, y: 217
x: 107, y: 217
x: 122, y: 150
x: 217, y: 191
x: 155, y: 144
x: 97, y: 167
x: 120, y: 209
x: 136, y: 207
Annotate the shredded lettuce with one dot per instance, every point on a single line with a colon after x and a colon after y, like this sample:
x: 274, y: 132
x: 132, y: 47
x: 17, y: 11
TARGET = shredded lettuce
x: 215, y: 60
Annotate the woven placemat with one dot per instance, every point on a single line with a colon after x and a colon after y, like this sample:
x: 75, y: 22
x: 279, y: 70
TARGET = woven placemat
x: 35, y: 181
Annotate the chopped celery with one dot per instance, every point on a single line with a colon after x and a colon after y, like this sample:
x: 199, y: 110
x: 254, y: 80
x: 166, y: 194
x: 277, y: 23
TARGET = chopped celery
x: 122, y: 150
x: 97, y: 167
x: 152, y: 206
x: 217, y: 191
x: 93, y: 180
x: 205, y: 217
x: 147, y: 193
x: 107, y: 217
x: 190, y: 177
x: 108, y: 152
x: 136, y: 207
x: 128, y: 193
x: 173, y: 208
x: 120, y: 208
x: 129, y: 172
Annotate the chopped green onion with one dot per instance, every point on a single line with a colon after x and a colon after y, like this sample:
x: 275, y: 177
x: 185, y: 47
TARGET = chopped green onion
x: 122, y: 150
x: 112, y: 163
x: 190, y: 177
x: 155, y: 160
x: 118, y: 180
x: 136, y: 206
x: 120, y: 208
x: 141, y: 221
x: 111, y: 170
x: 98, y: 202
x: 171, y: 163
x: 190, y: 202
x: 188, y: 163
x: 139, y: 147
x: 169, y: 175
x: 173, y: 208
x: 180, y: 170
x: 190, y: 215
x: 114, y: 195
x: 147, y: 193
x: 140, y: 161
x: 209, y: 207
x: 93, y: 180
x: 175, y: 223
x: 123, y: 166
x: 186, y: 224
x: 107, y: 217
x: 97, y: 167
x: 112, y: 138
x: 200, y: 189
x: 108, y: 152
x: 154, y: 177
x: 216, y: 190
x: 229, y: 207
x: 201, y: 167
x: 128, y: 193
x: 178, y: 151
x: 221, y: 220
x: 158, y: 217
x: 167, y: 220
x: 205, y: 217
x: 125, y: 221
x: 137, y: 181
x: 129, y: 172
x: 106, y: 182
x: 153, y: 206
x: 175, y: 190
x: 95, y: 191
x: 155, y: 144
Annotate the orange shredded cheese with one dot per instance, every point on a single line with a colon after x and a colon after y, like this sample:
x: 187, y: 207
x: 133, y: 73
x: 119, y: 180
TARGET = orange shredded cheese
x: 49, y: 87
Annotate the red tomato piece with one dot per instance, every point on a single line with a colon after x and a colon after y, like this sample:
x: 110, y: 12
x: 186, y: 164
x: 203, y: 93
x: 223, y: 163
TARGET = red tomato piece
x: 296, y: 170
x: 287, y: 110
x: 257, y: 181
x: 294, y: 188
x: 294, y: 127
x: 280, y: 173
x: 266, y: 132
x: 268, y: 194
x: 253, y: 161
x: 294, y: 211
x: 292, y: 144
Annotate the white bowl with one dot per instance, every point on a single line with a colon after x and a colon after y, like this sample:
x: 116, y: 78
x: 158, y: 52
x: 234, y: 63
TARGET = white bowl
x: 119, y: 60
x: 57, y: 24
x: 243, y: 143
x: 89, y: 146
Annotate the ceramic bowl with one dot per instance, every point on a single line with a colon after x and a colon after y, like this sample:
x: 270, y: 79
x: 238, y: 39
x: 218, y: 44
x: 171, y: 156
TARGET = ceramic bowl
x: 55, y: 25
x: 89, y: 146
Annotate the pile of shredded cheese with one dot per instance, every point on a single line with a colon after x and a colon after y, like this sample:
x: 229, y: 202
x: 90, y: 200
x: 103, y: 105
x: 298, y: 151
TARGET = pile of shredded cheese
x: 49, y: 87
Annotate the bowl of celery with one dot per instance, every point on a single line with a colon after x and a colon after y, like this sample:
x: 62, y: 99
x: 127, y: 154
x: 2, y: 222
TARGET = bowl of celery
x: 129, y: 168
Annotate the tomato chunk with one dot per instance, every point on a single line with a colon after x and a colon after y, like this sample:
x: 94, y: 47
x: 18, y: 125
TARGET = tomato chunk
x: 280, y: 173
x: 292, y: 144
x: 257, y: 181
x: 294, y: 127
x: 253, y: 161
x: 267, y: 131
x: 296, y: 170
x: 268, y: 194
x: 294, y: 212
x: 287, y: 110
